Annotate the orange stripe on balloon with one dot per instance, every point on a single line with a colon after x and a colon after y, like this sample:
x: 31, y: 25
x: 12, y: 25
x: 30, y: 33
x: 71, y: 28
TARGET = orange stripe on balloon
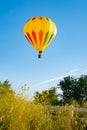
x: 29, y: 37
x: 40, y: 18
x: 34, y: 36
x: 40, y: 36
x: 33, y: 18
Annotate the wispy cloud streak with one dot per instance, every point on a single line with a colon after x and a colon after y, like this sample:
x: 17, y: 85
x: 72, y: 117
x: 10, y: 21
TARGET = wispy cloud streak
x: 85, y: 71
x: 71, y: 73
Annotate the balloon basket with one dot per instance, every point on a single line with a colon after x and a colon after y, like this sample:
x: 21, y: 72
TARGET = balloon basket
x: 39, y: 55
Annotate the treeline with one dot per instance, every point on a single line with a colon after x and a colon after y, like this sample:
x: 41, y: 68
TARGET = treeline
x: 19, y: 113
x: 72, y: 89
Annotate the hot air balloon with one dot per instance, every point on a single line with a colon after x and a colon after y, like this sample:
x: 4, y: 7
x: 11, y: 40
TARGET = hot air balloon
x: 40, y: 31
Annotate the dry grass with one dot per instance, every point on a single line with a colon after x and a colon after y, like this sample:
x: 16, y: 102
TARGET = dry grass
x: 17, y: 113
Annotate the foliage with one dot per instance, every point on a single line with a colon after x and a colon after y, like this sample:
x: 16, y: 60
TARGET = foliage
x: 19, y: 113
x: 74, y: 89
x: 47, y: 97
x: 16, y: 113
x: 6, y: 87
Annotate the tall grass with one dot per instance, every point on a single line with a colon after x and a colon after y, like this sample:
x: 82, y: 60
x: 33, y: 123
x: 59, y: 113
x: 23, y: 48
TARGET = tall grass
x: 18, y: 113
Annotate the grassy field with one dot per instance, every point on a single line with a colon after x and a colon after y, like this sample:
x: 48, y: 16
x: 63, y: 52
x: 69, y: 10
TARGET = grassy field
x: 18, y: 113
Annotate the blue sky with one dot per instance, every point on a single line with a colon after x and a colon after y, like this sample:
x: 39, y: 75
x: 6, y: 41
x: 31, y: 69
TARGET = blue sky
x: 67, y: 52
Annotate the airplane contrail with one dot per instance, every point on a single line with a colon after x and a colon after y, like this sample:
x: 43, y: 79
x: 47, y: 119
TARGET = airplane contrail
x: 73, y: 72
x: 85, y: 71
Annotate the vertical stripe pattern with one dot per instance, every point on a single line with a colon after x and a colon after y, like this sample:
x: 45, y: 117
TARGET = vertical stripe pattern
x: 40, y: 31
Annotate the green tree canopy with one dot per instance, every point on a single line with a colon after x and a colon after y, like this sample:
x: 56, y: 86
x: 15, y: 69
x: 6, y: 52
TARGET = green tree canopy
x: 74, y: 89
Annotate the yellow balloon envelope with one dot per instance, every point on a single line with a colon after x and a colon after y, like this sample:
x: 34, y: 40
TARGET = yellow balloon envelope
x: 40, y: 31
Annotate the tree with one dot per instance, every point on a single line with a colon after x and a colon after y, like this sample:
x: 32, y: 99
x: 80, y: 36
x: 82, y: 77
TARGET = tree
x: 5, y: 87
x: 47, y: 97
x: 82, y: 85
x: 74, y: 89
